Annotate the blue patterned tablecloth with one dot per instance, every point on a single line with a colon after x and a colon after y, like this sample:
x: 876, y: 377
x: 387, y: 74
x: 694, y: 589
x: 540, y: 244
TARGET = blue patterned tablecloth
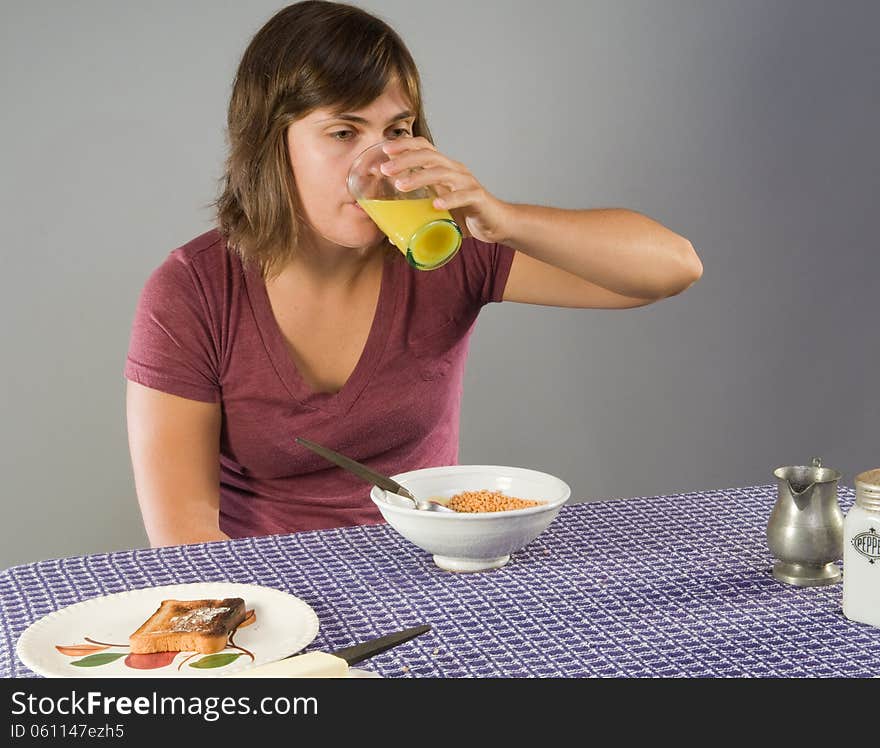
x: 668, y: 586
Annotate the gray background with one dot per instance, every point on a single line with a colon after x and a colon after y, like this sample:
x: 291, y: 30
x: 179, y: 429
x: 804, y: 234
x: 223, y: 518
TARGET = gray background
x: 748, y: 127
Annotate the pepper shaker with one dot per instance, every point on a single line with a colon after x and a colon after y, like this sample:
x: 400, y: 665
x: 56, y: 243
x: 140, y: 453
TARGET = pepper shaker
x: 861, y: 552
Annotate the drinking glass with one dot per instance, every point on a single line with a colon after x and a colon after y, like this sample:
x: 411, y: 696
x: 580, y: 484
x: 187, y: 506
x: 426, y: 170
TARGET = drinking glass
x: 428, y: 237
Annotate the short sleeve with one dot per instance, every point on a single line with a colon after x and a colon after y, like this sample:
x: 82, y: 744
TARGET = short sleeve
x: 486, y: 268
x: 173, y: 347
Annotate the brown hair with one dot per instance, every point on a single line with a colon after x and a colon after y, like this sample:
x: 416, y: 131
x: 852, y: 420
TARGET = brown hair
x: 308, y: 55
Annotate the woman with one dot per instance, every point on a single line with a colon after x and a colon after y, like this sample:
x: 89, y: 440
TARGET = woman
x: 295, y: 317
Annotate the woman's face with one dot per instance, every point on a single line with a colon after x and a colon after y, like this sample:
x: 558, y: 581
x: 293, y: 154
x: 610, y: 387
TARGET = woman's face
x: 322, y: 147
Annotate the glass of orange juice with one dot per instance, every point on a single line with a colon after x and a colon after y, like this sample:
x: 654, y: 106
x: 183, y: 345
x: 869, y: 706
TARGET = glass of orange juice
x: 429, y: 238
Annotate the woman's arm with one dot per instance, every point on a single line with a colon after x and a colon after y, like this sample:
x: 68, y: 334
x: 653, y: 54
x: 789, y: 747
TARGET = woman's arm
x: 603, y: 258
x: 175, y: 453
x: 609, y: 258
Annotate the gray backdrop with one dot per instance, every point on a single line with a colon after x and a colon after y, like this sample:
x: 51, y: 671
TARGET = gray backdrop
x: 749, y: 127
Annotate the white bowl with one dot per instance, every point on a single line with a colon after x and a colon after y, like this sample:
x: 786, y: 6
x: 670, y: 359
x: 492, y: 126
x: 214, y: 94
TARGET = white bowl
x: 478, y: 541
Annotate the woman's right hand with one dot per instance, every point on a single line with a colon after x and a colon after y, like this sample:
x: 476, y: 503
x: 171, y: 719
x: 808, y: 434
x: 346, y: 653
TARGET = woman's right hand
x: 175, y: 453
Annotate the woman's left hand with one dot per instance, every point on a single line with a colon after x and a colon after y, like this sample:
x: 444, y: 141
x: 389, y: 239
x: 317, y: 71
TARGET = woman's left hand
x: 475, y: 210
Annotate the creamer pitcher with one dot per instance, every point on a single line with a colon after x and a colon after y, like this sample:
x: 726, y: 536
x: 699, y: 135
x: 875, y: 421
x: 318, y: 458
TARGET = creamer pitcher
x: 805, y: 529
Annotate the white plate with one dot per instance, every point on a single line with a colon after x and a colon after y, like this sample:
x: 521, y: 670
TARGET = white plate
x: 284, y: 625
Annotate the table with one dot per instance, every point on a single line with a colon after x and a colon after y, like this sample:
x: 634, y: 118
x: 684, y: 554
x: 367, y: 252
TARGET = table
x: 664, y: 586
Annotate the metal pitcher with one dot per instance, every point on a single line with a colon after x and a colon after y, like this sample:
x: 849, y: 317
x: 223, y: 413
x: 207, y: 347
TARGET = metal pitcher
x: 805, y: 530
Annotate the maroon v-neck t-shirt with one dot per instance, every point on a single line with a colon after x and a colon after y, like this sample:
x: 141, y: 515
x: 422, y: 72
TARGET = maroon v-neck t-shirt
x: 204, y: 330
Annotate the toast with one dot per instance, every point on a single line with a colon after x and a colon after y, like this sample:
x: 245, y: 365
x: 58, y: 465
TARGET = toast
x: 189, y: 626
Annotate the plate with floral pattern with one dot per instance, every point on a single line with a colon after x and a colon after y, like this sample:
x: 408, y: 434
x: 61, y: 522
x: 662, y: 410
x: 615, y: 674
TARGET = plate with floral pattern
x: 90, y: 638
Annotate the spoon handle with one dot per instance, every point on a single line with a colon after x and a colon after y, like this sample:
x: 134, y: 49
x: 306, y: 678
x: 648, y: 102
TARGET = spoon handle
x: 362, y: 471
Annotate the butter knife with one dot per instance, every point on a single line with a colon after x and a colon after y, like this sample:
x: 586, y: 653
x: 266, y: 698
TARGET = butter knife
x: 318, y: 664
x: 360, y: 652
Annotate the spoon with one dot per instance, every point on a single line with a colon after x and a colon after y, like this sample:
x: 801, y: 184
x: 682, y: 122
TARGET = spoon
x: 371, y: 476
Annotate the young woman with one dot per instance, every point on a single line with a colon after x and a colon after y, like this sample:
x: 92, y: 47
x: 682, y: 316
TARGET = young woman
x: 296, y: 317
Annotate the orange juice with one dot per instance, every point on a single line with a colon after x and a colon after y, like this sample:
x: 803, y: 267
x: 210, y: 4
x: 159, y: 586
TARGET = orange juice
x: 427, y: 236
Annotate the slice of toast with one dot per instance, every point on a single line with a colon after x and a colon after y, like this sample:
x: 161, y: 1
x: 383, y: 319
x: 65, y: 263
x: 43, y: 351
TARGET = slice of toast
x: 189, y: 626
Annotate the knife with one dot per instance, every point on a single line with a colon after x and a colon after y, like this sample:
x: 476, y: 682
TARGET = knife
x: 360, y: 652
x: 329, y: 664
